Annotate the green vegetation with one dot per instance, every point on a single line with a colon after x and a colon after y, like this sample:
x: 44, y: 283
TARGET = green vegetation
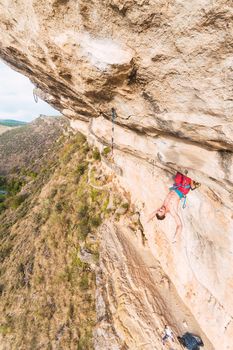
x: 84, y: 282
x: 96, y: 154
x: 49, y: 243
x: 10, y: 122
x: 16, y: 201
x: 85, y: 341
x: 13, y: 186
x: 9, y: 189
x: 27, y: 147
x: 81, y: 168
x: 68, y: 215
x: 29, y: 173
x: 96, y: 221
x: 106, y: 151
x: 125, y: 205
x: 3, y: 207
x: 2, y: 181
x: 5, y: 329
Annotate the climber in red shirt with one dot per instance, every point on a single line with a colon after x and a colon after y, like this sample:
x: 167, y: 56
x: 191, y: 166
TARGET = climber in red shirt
x: 182, y: 185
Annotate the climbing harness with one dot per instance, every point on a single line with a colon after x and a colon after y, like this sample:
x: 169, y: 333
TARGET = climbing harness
x: 35, y: 95
x: 114, y: 115
x: 180, y: 194
x: 182, y: 186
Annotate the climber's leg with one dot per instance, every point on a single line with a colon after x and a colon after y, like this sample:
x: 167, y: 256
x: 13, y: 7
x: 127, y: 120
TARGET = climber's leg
x: 164, y: 339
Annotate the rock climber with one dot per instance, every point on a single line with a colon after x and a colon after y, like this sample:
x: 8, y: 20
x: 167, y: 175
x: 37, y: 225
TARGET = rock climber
x: 181, y: 187
x: 168, y: 334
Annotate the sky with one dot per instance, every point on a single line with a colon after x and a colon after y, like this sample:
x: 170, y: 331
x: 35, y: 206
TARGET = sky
x: 16, y: 97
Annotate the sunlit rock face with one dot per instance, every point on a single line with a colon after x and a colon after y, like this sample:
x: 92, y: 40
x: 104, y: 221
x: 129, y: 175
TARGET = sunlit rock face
x: 166, y: 68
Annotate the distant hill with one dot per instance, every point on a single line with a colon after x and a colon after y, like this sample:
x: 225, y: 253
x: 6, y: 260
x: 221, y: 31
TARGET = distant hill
x: 21, y: 146
x: 11, y: 122
x: 7, y: 124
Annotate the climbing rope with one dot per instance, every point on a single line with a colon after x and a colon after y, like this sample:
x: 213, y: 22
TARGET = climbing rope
x: 153, y: 167
x: 35, y: 95
x: 113, y: 125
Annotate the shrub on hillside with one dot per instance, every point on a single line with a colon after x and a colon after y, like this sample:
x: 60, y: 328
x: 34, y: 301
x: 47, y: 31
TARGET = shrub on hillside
x: 81, y: 168
x: 95, y: 221
x: 80, y: 138
x: 2, y: 182
x: 106, y: 151
x: 84, y: 282
x: 82, y: 211
x: 2, y: 207
x: 14, y: 185
x: 16, y: 201
x: 83, y: 229
x: 96, y: 154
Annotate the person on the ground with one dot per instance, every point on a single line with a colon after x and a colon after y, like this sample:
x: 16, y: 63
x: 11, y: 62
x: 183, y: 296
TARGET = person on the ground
x: 179, y: 190
x: 167, y: 334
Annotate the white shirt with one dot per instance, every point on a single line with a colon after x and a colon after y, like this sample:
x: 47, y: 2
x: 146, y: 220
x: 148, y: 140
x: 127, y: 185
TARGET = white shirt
x: 168, y: 332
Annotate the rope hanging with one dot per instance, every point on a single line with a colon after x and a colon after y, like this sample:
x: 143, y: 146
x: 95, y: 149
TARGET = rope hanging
x: 113, y: 121
x: 35, y: 95
x: 153, y: 167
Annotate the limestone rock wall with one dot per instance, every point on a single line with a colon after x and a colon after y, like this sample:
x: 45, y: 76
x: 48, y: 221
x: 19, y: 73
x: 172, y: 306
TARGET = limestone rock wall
x: 197, y: 262
x: 166, y: 67
x: 141, y: 298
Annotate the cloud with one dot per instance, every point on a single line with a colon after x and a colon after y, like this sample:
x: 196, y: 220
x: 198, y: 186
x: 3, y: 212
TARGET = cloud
x: 16, y: 97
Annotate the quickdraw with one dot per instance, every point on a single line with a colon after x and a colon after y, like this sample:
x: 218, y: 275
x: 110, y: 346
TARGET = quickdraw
x: 35, y: 95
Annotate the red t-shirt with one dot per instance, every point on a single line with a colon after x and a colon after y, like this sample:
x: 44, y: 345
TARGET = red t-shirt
x: 182, y: 183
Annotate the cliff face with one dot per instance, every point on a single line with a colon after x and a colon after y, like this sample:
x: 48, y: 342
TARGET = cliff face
x: 166, y: 68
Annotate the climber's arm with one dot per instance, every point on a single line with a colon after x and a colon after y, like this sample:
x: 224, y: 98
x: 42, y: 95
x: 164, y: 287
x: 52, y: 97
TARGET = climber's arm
x: 152, y: 215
